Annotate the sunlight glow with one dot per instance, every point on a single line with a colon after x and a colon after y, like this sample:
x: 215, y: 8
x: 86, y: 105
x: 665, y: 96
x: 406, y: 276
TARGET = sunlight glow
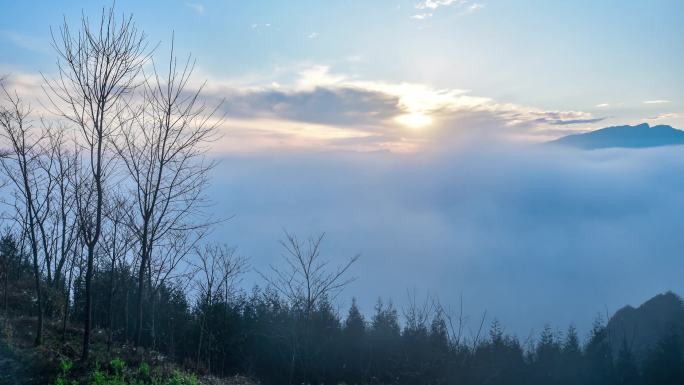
x: 414, y: 120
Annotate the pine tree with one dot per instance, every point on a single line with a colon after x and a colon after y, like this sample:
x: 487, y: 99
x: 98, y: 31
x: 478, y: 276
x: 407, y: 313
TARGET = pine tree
x: 626, y: 370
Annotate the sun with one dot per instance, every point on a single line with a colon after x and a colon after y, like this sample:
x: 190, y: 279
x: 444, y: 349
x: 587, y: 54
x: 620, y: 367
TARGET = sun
x: 414, y: 120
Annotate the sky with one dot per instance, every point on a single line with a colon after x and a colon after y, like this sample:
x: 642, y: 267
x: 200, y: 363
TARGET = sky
x: 412, y: 132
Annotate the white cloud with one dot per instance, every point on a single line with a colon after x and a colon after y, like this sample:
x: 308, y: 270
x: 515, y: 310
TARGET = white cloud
x: 314, y: 107
x: 421, y: 16
x: 197, y: 7
x: 24, y: 41
x: 434, y: 4
x: 602, y: 105
x: 27, y: 85
x: 313, y: 35
x: 382, y: 115
x: 666, y: 116
x: 257, y: 26
x: 659, y: 101
x: 475, y: 6
x: 463, y: 7
x: 561, y: 218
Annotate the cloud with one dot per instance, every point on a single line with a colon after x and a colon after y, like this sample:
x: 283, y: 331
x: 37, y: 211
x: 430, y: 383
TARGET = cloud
x: 313, y: 35
x: 324, y: 105
x: 316, y: 108
x: 24, y: 41
x: 421, y: 16
x: 197, y: 7
x: 661, y: 101
x: 563, y: 122
x: 393, y: 115
x: 602, y: 105
x: 494, y: 222
x: 432, y: 6
x: 666, y: 116
x: 260, y: 27
x: 28, y: 86
x: 475, y: 6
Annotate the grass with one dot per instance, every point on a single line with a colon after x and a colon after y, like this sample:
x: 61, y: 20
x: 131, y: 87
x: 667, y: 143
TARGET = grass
x: 56, y: 361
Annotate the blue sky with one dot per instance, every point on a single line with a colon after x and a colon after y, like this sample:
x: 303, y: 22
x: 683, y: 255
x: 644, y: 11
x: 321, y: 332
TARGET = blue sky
x: 409, y: 131
x: 602, y: 58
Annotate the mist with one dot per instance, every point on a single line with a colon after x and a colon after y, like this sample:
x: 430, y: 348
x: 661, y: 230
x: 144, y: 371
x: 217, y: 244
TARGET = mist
x: 530, y: 234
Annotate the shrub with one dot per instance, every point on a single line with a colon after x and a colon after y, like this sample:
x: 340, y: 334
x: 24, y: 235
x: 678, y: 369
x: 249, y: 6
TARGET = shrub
x: 65, y: 366
x: 180, y: 378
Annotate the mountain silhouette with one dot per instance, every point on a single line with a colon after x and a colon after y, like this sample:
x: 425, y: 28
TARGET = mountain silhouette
x: 644, y: 327
x: 639, y: 136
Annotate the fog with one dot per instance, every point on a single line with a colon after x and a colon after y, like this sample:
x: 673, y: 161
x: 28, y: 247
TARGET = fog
x: 531, y: 234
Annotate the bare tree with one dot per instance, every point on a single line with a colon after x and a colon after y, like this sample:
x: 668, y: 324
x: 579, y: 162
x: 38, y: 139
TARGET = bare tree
x: 74, y: 261
x: 418, y: 314
x: 99, y: 68
x: 218, y: 269
x: 170, y: 263
x: 163, y: 150
x: 117, y: 241
x: 63, y: 232
x: 58, y: 229
x: 306, y: 277
x: 22, y: 165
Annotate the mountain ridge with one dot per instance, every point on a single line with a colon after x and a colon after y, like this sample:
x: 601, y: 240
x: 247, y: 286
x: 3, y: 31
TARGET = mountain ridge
x: 643, y: 327
x: 637, y: 136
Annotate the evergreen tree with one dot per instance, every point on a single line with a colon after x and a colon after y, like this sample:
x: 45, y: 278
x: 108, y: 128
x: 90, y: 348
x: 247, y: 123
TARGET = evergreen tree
x: 626, y: 370
x: 598, y: 355
x: 664, y: 365
x: 355, y: 347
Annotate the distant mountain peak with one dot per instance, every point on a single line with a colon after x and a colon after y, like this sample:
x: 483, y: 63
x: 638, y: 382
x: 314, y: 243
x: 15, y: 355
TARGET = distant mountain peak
x: 643, y: 327
x: 637, y: 136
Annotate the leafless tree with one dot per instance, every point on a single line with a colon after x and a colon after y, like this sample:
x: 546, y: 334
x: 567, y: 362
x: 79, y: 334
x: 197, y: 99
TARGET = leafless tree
x: 62, y: 232
x: 306, y: 277
x: 163, y: 151
x: 98, y: 69
x: 456, y: 322
x: 21, y: 164
x: 218, y: 269
x: 75, y: 261
x: 116, y: 242
x: 169, y: 262
x: 417, y: 314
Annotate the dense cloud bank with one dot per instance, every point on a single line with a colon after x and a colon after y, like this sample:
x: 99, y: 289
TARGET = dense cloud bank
x: 532, y: 234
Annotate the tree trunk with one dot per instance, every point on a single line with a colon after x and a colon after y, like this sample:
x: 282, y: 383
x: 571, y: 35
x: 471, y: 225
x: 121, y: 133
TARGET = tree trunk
x: 5, y: 285
x: 110, y: 323
x: 87, y: 322
x: 36, y: 275
x: 141, y: 287
x: 199, y: 345
x: 153, y: 331
x: 66, y: 301
x: 126, y: 314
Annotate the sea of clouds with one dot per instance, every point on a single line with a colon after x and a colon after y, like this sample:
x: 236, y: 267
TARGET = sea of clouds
x: 531, y: 234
